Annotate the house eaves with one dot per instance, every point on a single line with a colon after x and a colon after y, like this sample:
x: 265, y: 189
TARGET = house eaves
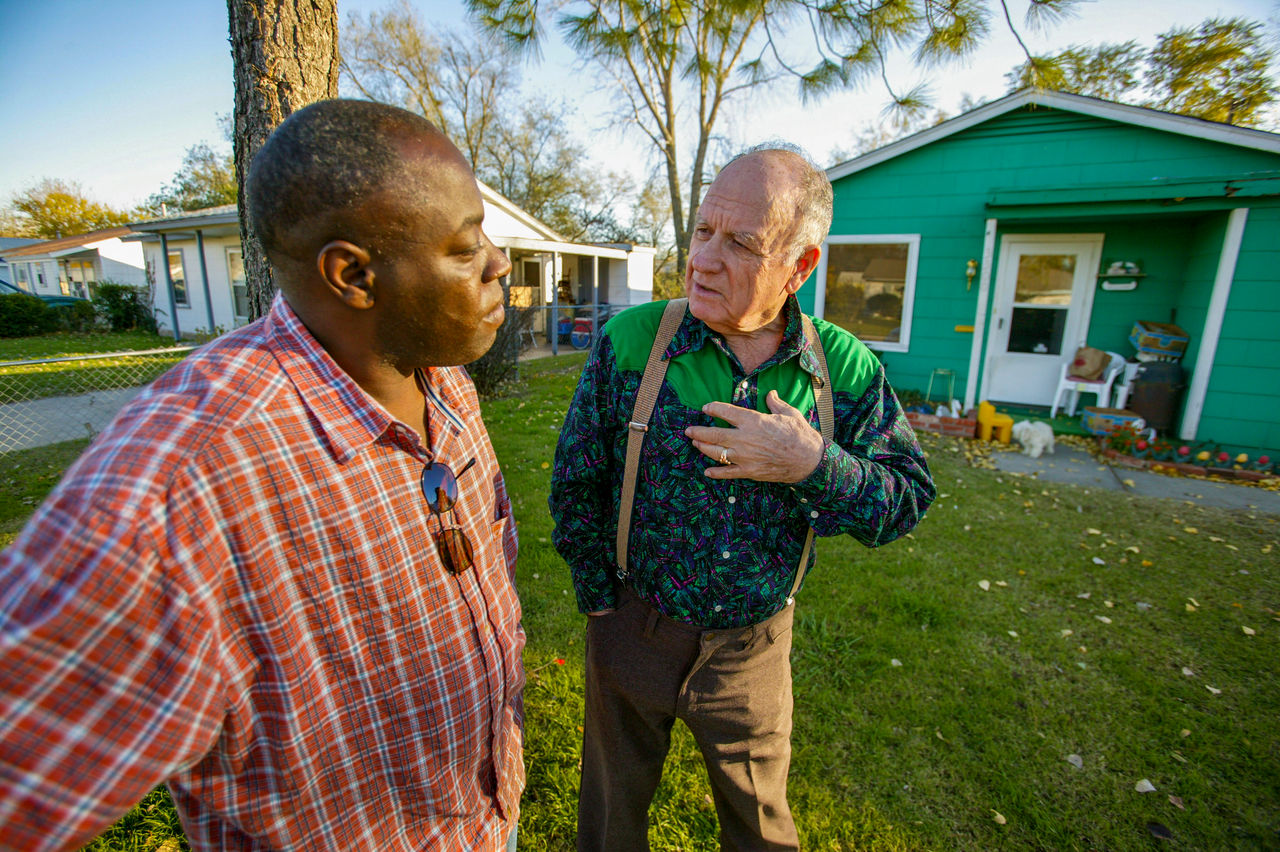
x: 509, y: 207
x: 225, y: 214
x: 1139, y: 116
x: 66, y: 245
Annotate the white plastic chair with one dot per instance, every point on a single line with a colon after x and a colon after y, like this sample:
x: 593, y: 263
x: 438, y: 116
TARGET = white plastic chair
x: 1073, y: 386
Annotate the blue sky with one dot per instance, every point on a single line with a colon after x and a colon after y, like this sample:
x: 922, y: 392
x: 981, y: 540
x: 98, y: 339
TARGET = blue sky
x: 113, y: 94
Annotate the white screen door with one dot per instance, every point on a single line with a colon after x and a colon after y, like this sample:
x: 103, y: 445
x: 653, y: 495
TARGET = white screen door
x: 1040, y: 313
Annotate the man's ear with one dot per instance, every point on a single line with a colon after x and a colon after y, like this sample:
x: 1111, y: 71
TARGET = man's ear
x: 345, y: 269
x: 805, y: 264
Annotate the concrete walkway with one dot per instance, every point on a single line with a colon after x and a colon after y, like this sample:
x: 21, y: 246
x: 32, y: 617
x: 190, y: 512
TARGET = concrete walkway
x: 1075, y: 466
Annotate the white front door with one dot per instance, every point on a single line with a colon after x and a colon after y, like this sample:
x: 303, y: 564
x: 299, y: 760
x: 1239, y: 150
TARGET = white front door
x: 1043, y: 298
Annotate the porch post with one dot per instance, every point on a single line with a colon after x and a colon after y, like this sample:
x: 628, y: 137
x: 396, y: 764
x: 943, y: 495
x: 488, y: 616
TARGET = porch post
x: 204, y: 276
x: 1199, y: 387
x: 980, y: 319
x: 555, y: 303
x: 595, y: 296
x: 168, y: 280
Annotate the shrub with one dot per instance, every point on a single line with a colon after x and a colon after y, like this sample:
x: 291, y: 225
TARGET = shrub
x: 79, y: 317
x: 497, y: 367
x: 124, y: 307
x: 24, y: 315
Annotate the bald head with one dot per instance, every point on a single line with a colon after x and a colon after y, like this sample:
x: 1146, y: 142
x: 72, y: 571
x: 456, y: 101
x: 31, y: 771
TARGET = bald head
x: 809, y: 202
x: 318, y: 169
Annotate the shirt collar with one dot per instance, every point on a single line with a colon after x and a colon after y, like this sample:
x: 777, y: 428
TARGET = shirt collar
x: 693, y: 334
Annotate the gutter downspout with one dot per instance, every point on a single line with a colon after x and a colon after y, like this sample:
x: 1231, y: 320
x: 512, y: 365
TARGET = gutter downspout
x: 204, y: 275
x: 980, y: 319
x: 168, y: 280
x: 1199, y: 388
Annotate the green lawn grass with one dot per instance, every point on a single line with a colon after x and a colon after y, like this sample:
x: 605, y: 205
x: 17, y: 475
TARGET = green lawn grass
x: 931, y: 713
x: 37, y: 381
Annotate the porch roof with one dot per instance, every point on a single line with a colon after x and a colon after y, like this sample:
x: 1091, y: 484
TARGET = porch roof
x: 1217, y: 192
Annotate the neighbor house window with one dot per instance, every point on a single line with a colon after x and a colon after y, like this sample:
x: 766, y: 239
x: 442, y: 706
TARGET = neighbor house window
x: 239, y: 286
x: 866, y: 284
x: 178, y: 276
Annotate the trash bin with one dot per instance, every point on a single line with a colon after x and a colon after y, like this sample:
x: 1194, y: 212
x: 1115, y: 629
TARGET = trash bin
x: 1156, y: 394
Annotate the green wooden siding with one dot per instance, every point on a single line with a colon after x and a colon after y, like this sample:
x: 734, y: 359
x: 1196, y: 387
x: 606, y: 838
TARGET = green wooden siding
x: 941, y: 190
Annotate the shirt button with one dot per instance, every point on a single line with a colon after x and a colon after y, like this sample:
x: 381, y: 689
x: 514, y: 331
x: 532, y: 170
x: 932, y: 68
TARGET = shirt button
x: 744, y: 384
x: 725, y: 554
x: 804, y: 499
x: 733, y: 499
x: 813, y: 514
x: 718, y: 607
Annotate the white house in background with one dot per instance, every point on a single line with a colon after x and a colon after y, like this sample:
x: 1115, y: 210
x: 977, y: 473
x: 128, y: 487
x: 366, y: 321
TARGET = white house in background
x: 198, y: 253
x: 73, y: 266
x: 8, y: 244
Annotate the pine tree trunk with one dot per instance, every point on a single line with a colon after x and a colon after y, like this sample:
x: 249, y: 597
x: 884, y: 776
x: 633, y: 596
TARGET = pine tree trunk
x: 285, y: 54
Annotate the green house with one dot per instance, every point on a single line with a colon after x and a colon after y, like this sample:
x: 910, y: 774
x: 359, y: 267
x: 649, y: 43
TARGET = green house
x: 980, y: 253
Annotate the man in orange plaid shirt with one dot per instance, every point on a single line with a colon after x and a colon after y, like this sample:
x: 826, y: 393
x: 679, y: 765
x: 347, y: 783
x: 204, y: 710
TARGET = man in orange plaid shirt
x: 282, y: 581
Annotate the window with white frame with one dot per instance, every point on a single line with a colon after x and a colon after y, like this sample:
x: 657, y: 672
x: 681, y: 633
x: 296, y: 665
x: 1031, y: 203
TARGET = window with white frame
x: 178, y: 275
x: 866, y: 284
x: 239, y: 286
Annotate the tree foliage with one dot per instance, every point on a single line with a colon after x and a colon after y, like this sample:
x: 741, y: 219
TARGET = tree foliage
x: 58, y: 208
x: 678, y: 63
x: 1218, y: 71
x: 521, y: 146
x: 206, y: 178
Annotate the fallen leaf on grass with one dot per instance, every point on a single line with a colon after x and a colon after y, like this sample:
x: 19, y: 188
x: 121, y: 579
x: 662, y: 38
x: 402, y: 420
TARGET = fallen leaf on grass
x: 1109, y: 604
x: 1084, y: 596
x: 1142, y: 606
x: 1130, y: 483
x: 1184, y: 733
x: 1002, y: 584
x: 998, y: 817
x: 985, y: 585
x: 1211, y: 689
x: 1147, y: 563
x: 1076, y: 760
x: 1098, y: 561
x: 1176, y: 802
x: 1188, y: 672
x: 1013, y: 633
x: 1092, y: 531
x: 1144, y: 786
x: 1178, y: 757
x: 1190, y: 530
x: 1133, y: 548
x: 895, y: 662
x: 1248, y: 631
x: 1103, y: 619
x: 1066, y: 633
x: 1158, y: 830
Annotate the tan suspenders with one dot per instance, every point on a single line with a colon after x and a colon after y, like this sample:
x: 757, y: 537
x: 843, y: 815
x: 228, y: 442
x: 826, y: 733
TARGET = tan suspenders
x: 647, y: 396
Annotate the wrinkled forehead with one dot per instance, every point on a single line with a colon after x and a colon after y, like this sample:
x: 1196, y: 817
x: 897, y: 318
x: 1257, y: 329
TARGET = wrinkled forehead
x: 761, y: 188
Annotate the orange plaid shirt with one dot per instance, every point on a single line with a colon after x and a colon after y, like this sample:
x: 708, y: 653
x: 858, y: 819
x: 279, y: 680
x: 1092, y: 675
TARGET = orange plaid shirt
x: 236, y: 590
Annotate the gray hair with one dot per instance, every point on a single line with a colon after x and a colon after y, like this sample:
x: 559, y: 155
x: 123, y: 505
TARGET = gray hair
x: 813, y: 196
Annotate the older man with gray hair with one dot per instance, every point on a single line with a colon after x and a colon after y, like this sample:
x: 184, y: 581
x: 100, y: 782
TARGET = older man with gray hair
x: 707, y: 443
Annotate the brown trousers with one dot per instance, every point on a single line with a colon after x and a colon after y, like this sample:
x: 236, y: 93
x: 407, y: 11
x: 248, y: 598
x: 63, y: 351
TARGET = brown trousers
x: 731, y: 687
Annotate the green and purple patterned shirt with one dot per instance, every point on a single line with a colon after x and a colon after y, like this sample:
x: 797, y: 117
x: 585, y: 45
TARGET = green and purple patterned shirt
x: 723, y: 553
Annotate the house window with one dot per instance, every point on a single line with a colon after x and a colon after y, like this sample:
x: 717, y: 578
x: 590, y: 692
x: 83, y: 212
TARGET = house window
x: 80, y: 280
x: 178, y: 276
x: 239, y: 286
x: 20, y: 272
x: 866, y: 284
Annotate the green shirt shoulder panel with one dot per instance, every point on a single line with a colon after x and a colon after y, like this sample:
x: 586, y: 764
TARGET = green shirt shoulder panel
x: 705, y: 374
x: 852, y: 365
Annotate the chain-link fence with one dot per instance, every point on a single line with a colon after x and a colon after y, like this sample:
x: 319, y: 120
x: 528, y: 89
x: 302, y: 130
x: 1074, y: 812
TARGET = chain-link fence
x: 50, y: 400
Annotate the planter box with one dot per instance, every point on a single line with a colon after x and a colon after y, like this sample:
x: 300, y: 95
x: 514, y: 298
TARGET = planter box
x: 1100, y: 421
x: 1159, y: 339
x: 955, y: 427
